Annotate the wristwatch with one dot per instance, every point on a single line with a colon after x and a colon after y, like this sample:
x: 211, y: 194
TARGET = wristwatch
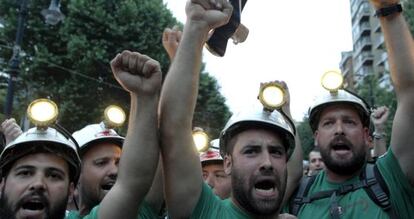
x: 378, y: 135
x: 383, y: 12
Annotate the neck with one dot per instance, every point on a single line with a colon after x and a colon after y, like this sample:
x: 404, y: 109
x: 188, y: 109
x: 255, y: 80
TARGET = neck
x: 273, y: 216
x: 338, y: 178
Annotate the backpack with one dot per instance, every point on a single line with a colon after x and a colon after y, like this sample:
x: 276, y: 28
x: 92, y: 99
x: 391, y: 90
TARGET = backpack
x: 370, y: 180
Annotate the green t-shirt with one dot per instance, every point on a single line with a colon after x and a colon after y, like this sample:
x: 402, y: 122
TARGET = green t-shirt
x: 211, y: 206
x: 145, y: 212
x: 357, y: 204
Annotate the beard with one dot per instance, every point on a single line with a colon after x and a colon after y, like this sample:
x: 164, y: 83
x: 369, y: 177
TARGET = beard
x: 7, y: 211
x: 344, y: 166
x: 243, y: 192
x: 89, y: 197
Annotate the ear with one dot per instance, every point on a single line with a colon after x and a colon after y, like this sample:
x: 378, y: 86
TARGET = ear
x: 367, y: 137
x: 71, y: 189
x: 315, y: 137
x: 228, y: 164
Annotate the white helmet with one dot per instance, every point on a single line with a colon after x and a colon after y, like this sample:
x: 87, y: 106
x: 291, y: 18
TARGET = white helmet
x: 341, y: 96
x: 257, y: 116
x: 212, y: 154
x: 95, y: 133
x: 47, y: 140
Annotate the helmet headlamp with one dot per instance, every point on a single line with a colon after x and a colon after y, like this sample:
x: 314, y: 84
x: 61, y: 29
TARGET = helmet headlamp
x: 114, y: 116
x: 332, y: 80
x: 272, y: 96
x: 201, y: 139
x: 42, y: 113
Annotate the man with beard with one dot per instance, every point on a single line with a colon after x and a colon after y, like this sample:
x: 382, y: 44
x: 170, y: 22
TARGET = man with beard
x: 141, y: 77
x: 340, y: 124
x: 256, y: 143
x: 39, y: 170
x: 100, y: 151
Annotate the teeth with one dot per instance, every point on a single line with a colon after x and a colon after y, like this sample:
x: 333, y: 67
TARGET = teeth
x: 265, y: 190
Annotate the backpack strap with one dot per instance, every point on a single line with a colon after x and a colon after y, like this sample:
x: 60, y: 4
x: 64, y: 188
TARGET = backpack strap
x: 301, y: 193
x: 377, y: 189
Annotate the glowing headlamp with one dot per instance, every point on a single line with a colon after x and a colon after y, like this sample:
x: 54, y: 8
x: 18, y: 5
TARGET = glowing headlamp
x: 114, y: 116
x: 201, y: 139
x: 272, y: 96
x: 332, y: 80
x: 42, y: 113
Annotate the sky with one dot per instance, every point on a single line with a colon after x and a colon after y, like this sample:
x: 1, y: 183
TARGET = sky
x: 295, y: 41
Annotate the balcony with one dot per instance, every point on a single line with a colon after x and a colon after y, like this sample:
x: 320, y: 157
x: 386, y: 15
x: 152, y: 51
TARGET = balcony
x: 363, y: 44
x: 379, y: 41
x: 383, y: 58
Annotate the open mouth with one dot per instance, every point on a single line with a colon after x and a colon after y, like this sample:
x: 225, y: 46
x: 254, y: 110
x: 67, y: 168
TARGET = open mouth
x: 107, y: 186
x: 33, y: 205
x: 341, y: 147
x: 265, y: 187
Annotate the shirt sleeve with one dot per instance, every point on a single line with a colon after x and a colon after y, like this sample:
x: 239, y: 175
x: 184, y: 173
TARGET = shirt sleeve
x: 401, y: 192
x: 208, y: 204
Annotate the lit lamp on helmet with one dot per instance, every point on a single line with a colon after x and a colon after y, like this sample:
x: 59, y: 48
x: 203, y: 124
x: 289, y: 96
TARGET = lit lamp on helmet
x: 43, y: 138
x: 114, y: 116
x: 272, y: 96
x: 93, y: 134
x: 201, y: 139
x: 42, y: 113
x: 332, y: 81
x: 265, y: 114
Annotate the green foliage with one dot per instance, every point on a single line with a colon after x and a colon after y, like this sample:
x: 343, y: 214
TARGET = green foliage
x: 379, y: 92
x: 306, y: 136
x: 409, y: 14
x: 69, y: 62
x: 211, y: 112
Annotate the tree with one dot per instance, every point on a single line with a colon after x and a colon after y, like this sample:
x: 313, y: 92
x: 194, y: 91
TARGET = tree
x: 379, y: 92
x: 69, y: 62
x: 211, y: 112
x: 409, y: 14
x: 306, y: 136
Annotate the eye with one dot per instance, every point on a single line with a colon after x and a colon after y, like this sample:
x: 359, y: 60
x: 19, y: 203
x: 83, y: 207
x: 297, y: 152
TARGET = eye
x: 277, y: 151
x: 251, y: 150
x: 24, y: 173
x: 55, y: 176
x: 327, y: 123
x: 100, y: 162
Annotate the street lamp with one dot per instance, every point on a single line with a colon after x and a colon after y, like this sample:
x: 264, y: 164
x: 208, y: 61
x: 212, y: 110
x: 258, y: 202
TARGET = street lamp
x: 52, y: 16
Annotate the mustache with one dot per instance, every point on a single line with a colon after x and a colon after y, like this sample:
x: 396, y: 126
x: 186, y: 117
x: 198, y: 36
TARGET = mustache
x: 340, y: 139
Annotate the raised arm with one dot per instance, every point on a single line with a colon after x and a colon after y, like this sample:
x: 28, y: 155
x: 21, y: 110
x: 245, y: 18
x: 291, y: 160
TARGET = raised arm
x: 400, y: 47
x: 379, y: 117
x: 141, y: 77
x: 182, y: 168
x: 295, y: 164
x: 170, y: 40
x: 10, y: 130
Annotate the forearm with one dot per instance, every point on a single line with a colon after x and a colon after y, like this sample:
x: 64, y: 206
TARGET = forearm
x: 295, y: 169
x: 183, y: 177
x: 138, y: 161
x: 400, y: 48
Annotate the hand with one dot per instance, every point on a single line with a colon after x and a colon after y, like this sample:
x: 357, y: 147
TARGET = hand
x: 10, y: 130
x: 379, y: 116
x: 209, y: 13
x: 383, y: 3
x: 170, y: 40
x: 137, y: 73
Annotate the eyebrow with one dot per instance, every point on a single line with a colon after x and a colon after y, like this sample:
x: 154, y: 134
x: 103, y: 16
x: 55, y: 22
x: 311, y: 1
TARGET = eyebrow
x: 30, y: 167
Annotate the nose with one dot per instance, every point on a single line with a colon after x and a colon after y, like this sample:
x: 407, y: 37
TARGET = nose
x: 339, y: 128
x: 210, y: 180
x: 266, y: 163
x: 38, y: 183
x: 113, y: 170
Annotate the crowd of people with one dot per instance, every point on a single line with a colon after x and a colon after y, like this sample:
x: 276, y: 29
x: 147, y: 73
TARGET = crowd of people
x: 253, y: 170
